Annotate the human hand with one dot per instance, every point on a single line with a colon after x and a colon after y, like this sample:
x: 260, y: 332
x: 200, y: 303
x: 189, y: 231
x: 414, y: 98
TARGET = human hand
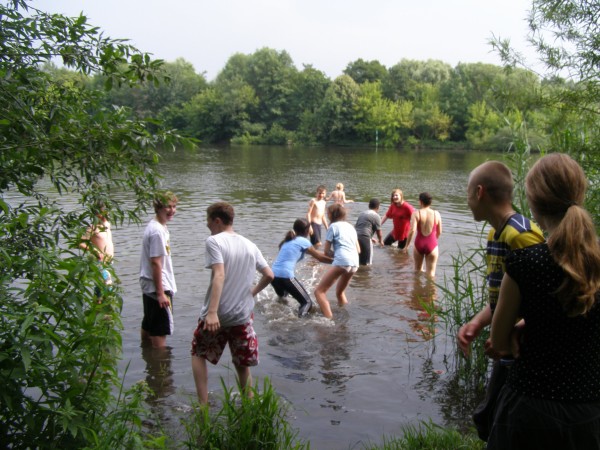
x: 211, y: 322
x: 163, y: 300
x: 515, y: 338
x: 467, y: 334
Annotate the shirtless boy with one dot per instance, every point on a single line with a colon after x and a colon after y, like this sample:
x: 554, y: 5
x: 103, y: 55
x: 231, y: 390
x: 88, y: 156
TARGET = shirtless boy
x: 98, y: 241
x: 339, y: 196
x: 316, y: 216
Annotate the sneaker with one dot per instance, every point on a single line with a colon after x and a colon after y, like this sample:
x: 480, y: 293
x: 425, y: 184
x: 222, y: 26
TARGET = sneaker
x: 305, y: 309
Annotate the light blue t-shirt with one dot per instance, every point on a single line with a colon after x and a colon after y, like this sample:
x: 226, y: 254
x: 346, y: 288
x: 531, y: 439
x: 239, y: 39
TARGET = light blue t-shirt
x: 290, y: 253
x: 343, y: 240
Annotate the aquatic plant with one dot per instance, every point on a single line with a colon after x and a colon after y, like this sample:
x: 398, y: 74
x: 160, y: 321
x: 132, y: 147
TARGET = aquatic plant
x: 256, y: 422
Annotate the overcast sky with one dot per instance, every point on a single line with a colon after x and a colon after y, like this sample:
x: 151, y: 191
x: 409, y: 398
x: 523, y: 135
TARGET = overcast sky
x: 328, y: 34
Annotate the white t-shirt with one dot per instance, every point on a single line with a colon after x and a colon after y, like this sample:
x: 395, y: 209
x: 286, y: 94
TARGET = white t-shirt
x: 343, y: 240
x: 241, y: 259
x: 156, y: 242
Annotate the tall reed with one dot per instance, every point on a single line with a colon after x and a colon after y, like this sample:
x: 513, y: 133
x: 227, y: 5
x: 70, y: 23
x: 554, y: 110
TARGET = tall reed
x: 256, y: 422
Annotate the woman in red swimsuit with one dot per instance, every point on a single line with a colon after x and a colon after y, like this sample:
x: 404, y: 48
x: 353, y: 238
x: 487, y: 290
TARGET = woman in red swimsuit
x: 427, y: 225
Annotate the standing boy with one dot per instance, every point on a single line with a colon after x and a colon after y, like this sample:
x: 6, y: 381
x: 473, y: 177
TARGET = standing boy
x: 367, y: 225
x: 227, y: 314
x: 489, y: 196
x: 157, y: 279
x: 316, y: 216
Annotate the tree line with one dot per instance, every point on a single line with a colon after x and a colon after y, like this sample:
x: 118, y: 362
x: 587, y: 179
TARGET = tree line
x: 262, y: 98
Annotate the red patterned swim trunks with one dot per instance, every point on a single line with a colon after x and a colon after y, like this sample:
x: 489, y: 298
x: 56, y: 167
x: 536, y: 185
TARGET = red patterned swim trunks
x: 242, y: 341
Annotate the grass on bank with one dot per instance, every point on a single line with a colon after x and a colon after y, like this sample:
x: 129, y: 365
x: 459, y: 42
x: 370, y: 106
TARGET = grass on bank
x: 260, y: 423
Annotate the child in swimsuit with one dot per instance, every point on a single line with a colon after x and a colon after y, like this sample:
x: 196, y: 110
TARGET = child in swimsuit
x: 427, y: 224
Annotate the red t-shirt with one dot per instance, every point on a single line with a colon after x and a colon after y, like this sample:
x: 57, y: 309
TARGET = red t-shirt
x: 400, y: 216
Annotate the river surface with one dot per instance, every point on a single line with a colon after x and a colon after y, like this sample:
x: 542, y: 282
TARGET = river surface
x: 350, y: 381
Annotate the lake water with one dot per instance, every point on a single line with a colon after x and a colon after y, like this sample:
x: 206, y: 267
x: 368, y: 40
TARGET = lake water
x: 348, y: 382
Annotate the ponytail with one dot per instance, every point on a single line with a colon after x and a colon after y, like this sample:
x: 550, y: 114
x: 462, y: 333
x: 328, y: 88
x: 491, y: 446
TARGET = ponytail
x: 556, y: 187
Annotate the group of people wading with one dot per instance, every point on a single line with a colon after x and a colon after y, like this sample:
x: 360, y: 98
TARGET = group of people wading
x: 544, y: 390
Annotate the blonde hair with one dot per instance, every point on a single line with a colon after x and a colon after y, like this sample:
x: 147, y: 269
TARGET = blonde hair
x: 556, y: 187
x: 339, y: 187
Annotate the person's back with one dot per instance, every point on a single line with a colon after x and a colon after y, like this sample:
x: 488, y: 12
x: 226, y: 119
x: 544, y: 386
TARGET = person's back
x: 239, y: 257
x: 367, y: 223
x: 555, y: 347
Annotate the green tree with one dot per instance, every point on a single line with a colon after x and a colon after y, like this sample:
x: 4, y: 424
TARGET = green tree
x: 482, y: 125
x: 220, y: 112
x: 308, y: 89
x: 377, y: 116
x: 363, y: 71
x: 406, y: 78
x: 335, y: 117
x: 566, y: 36
x: 467, y: 85
x: 58, y: 346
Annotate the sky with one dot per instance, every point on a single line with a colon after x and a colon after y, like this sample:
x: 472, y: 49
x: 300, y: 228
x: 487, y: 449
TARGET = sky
x: 327, y: 34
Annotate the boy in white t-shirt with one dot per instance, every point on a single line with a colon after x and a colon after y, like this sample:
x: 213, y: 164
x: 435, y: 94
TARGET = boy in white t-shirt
x: 157, y: 279
x: 227, y: 312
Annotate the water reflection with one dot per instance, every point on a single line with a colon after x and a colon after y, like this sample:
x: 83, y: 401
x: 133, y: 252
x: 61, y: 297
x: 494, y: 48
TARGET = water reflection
x: 159, y: 374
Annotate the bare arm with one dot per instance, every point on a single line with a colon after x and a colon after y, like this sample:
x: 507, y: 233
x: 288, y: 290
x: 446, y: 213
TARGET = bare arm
x: 327, y: 249
x: 319, y: 256
x: 469, y: 331
x: 505, y: 316
x: 217, y: 280
x: 439, y: 227
x: 379, y: 236
x: 157, y: 264
x: 265, y: 280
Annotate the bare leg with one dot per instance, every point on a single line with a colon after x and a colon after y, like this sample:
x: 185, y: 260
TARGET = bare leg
x: 340, y: 289
x: 418, y: 261
x: 321, y: 290
x: 157, y: 341
x: 431, y: 262
x: 245, y: 379
x: 200, y: 372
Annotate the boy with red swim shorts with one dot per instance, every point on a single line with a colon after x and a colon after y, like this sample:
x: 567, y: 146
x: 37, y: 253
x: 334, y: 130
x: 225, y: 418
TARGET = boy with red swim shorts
x: 226, y: 315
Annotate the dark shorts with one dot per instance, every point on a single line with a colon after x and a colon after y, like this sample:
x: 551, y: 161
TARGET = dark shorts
x: 242, y: 340
x: 389, y: 240
x: 317, y: 234
x: 157, y: 321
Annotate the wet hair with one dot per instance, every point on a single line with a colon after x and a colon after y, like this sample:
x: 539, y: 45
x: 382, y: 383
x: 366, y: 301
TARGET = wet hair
x: 497, y: 180
x: 321, y: 188
x: 399, y: 191
x: 374, y: 203
x: 337, y: 212
x: 555, y: 188
x: 221, y: 210
x: 300, y: 228
x: 425, y: 198
x: 162, y: 200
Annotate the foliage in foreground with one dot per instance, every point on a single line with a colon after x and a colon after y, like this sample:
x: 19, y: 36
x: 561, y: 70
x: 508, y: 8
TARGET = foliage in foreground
x: 429, y: 436
x: 61, y: 154
x: 243, y: 423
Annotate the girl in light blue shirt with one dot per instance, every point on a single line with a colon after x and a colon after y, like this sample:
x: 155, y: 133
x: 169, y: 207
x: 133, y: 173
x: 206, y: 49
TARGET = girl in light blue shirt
x: 291, y: 250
